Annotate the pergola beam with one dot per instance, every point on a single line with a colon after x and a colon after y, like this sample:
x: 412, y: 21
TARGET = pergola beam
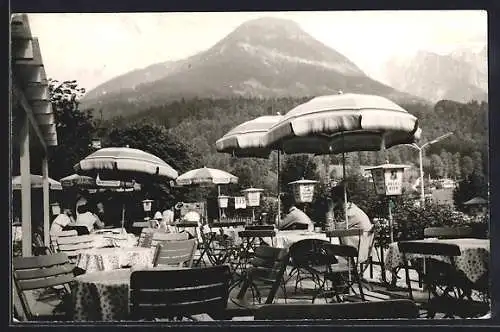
x: 19, y: 96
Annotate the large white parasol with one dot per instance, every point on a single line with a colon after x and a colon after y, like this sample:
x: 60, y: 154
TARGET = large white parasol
x: 249, y: 139
x: 206, y: 177
x: 124, y: 160
x: 124, y: 163
x: 36, y: 182
x: 88, y: 182
x: 343, y: 123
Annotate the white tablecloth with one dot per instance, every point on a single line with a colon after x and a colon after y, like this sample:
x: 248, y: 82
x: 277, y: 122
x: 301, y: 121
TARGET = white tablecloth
x: 284, y: 239
x: 107, y: 240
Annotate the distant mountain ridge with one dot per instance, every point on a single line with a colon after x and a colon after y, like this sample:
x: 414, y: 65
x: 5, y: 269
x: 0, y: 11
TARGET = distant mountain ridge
x: 460, y: 76
x: 262, y: 58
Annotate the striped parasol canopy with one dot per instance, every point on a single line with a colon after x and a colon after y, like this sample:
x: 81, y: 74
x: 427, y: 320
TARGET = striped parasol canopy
x: 205, y: 176
x: 249, y: 138
x: 36, y: 182
x: 95, y: 184
x: 124, y: 160
x: 344, y: 123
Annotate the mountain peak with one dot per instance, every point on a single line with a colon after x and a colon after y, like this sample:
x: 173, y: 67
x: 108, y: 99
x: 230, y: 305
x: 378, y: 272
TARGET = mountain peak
x: 271, y: 23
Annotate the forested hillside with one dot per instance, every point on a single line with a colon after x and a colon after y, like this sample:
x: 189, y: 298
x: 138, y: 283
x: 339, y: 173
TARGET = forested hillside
x: 202, y: 121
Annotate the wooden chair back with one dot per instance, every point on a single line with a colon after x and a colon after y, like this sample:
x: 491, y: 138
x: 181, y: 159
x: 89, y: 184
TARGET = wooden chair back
x: 39, y: 272
x: 177, y: 293
x: 54, y: 237
x: 259, y: 227
x: 251, y: 235
x: 146, y: 238
x: 356, y: 310
x: 433, y: 271
x: 268, y: 267
x: 448, y: 232
x: 179, y: 253
x: 161, y: 238
x: 72, y: 245
x: 139, y: 226
x: 428, y: 248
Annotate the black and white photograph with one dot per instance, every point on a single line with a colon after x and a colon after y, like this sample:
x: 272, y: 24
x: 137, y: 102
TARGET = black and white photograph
x: 179, y: 168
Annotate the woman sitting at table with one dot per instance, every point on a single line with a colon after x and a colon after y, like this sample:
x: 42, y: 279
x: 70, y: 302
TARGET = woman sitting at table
x: 88, y: 219
x: 356, y: 218
x: 296, y: 218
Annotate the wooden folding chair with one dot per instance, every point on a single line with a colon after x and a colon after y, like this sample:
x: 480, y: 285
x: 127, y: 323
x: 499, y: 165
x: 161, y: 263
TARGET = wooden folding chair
x: 179, y: 253
x: 266, y: 272
x: 61, y: 234
x: 72, y: 245
x: 343, y: 274
x: 390, y: 309
x: 146, y: 238
x: 42, y: 273
x: 161, y: 238
x: 448, y: 232
x: 447, y: 286
x: 170, y: 294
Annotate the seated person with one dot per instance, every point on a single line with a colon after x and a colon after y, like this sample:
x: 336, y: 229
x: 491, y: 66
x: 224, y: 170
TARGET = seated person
x: 88, y: 219
x: 296, y: 218
x: 61, y: 221
x: 195, y: 217
x: 356, y: 218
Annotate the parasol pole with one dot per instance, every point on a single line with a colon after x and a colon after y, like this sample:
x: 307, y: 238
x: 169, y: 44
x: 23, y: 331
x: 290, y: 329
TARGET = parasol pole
x: 345, y: 182
x: 123, y: 217
x: 279, y: 200
x: 389, y: 201
x: 218, y: 193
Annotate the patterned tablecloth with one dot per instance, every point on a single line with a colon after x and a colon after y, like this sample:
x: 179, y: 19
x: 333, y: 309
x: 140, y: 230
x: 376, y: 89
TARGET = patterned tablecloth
x: 104, y: 259
x: 104, y: 295
x: 473, y: 261
x: 101, y: 296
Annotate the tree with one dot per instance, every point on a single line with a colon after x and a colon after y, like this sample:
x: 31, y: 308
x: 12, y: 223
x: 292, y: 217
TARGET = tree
x: 473, y: 186
x: 467, y: 166
x: 296, y: 168
x: 477, y: 159
x: 456, y: 169
x: 437, y: 166
x: 74, y: 128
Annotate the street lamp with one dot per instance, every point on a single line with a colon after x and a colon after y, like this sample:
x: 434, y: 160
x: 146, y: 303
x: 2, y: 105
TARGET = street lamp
x: 420, y: 157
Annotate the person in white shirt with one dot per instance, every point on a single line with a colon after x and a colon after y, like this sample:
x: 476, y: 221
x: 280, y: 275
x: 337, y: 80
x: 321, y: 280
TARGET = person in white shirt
x: 356, y: 218
x: 295, y: 216
x: 168, y: 215
x: 61, y: 221
x: 88, y: 219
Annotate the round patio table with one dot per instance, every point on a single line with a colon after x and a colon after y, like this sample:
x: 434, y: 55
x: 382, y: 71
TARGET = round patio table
x: 104, y: 295
x: 473, y: 259
x: 284, y: 239
x: 104, y: 240
x: 101, y: 296
x: 104, y: 259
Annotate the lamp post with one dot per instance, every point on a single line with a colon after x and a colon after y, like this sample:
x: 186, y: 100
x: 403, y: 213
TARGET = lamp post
x: 420, y: 157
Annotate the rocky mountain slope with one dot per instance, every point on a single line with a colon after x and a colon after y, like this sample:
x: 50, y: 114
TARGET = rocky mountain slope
x: 460, y: 76
x: 266, y: 57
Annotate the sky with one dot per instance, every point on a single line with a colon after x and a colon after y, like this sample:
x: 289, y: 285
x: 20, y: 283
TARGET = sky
x: 95, y: 47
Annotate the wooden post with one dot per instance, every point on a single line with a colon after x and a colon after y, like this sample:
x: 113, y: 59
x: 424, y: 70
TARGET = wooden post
x: 46, y: 200
x: 25, y: 187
